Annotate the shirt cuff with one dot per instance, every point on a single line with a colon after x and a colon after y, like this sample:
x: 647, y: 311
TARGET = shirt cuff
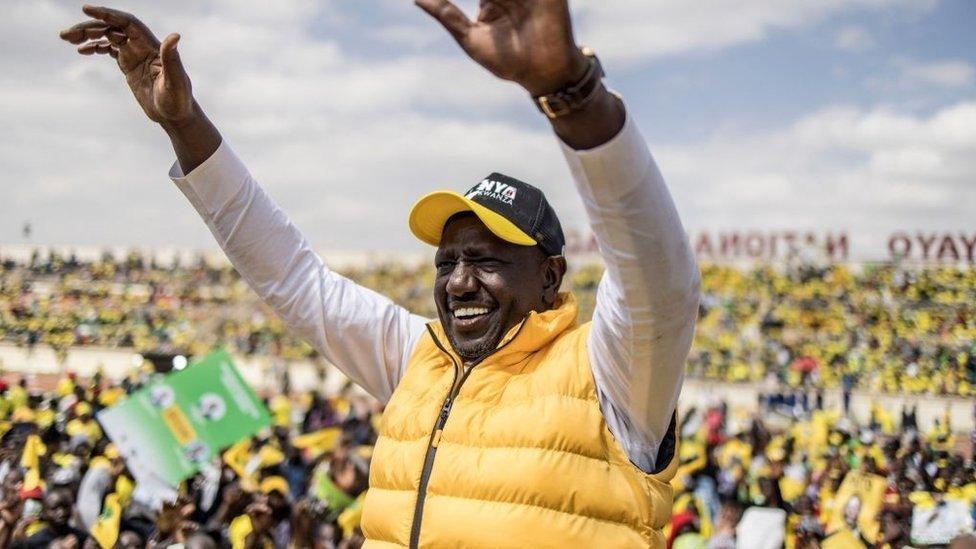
x: 215, y: 182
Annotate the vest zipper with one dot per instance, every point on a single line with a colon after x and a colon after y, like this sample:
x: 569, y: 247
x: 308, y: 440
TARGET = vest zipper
x: 435, y: 435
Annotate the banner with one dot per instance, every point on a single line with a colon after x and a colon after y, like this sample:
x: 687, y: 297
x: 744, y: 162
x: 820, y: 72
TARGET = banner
x: 167, y: 429
x: 863, y: 494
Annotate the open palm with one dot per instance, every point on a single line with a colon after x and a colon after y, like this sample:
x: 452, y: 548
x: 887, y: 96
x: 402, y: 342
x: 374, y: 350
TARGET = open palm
x: 152, y: 69
x: 529, y: 42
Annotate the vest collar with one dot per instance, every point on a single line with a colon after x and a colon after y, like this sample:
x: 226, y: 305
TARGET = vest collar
x: 534, y: 332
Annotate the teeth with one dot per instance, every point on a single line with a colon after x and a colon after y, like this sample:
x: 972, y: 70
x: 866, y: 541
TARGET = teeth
x: 470, y: 311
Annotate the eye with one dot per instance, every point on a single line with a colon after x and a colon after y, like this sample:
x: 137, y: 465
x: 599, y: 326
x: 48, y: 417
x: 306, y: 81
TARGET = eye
x: 487, y: 263
x: 445, y: 266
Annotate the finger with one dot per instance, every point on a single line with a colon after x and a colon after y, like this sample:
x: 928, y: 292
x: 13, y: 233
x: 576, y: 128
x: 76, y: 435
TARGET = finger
x: 91, y: 48
x: 116, y: 38
x: 77, y: 34
x: 449, y: 15
x: 173, y: 73
x: 492, y: 9
x: 113, y: 17
x: 126, y: 22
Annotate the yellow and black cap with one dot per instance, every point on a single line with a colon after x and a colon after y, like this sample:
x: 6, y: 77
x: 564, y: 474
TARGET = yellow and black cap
x: 513, y: 210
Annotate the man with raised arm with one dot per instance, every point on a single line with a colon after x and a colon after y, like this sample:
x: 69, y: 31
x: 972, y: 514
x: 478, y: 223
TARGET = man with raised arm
x: 507, y: 423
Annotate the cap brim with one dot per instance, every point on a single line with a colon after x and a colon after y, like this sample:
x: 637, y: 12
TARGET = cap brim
x: 431, y: 212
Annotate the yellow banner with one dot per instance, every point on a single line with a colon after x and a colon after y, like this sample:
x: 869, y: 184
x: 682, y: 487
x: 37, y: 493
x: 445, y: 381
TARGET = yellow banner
x: 865, y: 492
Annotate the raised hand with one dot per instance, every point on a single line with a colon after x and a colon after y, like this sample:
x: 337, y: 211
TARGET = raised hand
x: 529, y: 42
x: 152, y: 69
x: 155, y: 75
x: 11, y: 510
x: 173, y: 515
x: 260, y: 514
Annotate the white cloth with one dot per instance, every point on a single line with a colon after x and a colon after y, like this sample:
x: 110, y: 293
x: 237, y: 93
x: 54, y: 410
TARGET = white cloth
x: 91, y: 492
x: 761, y: 528
x: 646, y: 303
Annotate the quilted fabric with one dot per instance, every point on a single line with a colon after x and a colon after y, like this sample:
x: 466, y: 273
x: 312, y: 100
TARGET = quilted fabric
x: 525, y: 458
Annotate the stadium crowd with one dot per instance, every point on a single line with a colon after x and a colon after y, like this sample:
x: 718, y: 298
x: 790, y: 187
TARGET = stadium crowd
x: 788, y: 471
x: 134, y: 303
x: 300, y: 483
x: 813, y: 477
x: 883, y: 328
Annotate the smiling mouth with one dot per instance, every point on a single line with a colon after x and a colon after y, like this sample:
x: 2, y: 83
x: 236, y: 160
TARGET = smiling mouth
x: 470, y: 312
x: 471, y: 319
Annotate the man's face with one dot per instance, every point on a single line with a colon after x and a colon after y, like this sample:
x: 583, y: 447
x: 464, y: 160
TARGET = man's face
x: 12, y: 482
x: 485, y: 285
x: 57, y: 508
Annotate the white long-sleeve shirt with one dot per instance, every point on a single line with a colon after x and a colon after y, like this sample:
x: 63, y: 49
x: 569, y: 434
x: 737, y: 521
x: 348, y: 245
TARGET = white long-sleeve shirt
x: 646, y: 303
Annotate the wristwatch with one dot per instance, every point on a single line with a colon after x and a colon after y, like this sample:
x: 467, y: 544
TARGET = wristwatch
x: 575, y: 96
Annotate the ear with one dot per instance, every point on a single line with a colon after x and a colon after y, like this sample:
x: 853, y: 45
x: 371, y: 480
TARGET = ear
x: 554, y: 268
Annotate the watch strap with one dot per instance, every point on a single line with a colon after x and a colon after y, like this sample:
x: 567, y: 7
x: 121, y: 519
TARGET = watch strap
x: 575, y: 96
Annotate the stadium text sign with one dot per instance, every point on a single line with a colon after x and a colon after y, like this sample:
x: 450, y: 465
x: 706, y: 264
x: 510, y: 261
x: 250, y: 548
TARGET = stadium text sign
x: 941, y: 247
x: 769, y: 245
x: 838, y: 245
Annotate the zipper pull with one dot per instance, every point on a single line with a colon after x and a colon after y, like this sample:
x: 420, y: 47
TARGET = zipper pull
x: 446, y: 408
x: 441, y: 420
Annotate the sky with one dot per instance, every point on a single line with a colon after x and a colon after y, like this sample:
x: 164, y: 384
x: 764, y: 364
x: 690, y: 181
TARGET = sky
x: 835, y: 115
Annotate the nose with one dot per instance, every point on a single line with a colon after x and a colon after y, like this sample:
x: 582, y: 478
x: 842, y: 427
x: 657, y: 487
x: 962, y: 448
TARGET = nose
x: 462, y: 280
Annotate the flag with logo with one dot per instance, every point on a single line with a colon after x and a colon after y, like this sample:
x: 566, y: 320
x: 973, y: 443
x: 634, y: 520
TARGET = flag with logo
x: 167, y: 429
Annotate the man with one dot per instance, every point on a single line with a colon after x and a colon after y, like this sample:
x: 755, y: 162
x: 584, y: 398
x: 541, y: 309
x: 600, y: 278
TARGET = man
x: 507, y: 424
x: 56, y: 517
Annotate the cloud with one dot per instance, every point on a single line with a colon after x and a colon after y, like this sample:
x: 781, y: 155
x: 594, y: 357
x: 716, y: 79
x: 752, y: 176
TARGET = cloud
x: 942, y: 73
x: 634, y: 31
x: 337, y: 138
x: 406, y: 35
x: 854, y: 38
x: 345, y: 141
x: 865, y: 170
x: 637, y: 30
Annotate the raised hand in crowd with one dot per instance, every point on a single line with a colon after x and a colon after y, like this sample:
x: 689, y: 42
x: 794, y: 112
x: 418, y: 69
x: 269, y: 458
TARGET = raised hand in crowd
x: 11, y: 511
x: 260, y: 514
x: 173, y: 524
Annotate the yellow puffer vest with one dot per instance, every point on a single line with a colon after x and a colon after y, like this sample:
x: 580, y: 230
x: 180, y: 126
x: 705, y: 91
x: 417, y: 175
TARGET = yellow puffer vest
x: 519, y: 457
